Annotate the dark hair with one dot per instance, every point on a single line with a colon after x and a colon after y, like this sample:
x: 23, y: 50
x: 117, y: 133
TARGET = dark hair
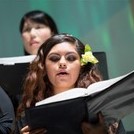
x: 37, y: 85
x: 39, y: 17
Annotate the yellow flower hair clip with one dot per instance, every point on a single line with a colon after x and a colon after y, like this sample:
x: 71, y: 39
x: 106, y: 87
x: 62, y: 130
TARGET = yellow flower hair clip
x: 88, y: 56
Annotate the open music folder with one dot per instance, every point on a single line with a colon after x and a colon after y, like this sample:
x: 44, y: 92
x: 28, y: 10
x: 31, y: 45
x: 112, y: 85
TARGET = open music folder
x: 13, y: 71
x: 63, y: 113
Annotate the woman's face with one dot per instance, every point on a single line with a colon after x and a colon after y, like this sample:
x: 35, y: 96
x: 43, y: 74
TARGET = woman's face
x: 63, y: 66
x: 34, y: 35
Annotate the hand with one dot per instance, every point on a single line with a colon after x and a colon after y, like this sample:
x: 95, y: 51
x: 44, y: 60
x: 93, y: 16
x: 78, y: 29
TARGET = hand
x: 26, y: 130
x: 95, y: 126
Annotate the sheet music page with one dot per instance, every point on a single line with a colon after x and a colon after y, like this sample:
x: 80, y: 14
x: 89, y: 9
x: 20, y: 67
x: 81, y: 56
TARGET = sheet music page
x: 18, y: 59
x: 101, y: 85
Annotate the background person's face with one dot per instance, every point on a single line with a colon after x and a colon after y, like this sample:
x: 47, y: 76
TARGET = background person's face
x: 63, y: 66
x: 34, y: 35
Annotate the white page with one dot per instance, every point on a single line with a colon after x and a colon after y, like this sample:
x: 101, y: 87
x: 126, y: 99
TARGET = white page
x: 19, y: 59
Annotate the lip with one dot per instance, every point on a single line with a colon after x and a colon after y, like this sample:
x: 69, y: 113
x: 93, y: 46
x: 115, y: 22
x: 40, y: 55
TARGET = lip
x: 33, y: 42
x: 62, y: 73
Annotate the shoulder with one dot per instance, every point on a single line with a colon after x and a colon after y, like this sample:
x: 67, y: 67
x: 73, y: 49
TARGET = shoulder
x: 4, y: 98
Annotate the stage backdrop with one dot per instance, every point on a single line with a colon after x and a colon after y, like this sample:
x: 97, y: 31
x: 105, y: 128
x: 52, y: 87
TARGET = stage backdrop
x: 107, y: 25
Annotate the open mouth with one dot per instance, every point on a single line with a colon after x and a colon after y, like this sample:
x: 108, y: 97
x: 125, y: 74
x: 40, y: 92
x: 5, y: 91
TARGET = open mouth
x: 62, y: 73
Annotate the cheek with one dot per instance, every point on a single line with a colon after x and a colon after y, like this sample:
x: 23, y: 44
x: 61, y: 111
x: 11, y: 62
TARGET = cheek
x: 45, y: 34
x: 50, y: 69
x: 75, y: 71
x: 25, y: 38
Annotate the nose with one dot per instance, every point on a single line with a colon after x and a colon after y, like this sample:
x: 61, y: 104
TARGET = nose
x: 33, y: 32
x: 62, y: 63
x: 62, y: 66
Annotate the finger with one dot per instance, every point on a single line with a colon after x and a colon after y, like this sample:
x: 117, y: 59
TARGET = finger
x: 25, y: 130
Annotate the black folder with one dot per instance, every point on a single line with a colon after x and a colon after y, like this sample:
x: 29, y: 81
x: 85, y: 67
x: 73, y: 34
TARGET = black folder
x: 65, y: 116
x: 12, y: 73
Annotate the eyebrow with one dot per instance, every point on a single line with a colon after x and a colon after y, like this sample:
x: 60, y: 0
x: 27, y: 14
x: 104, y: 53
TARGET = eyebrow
x: 56, y: 53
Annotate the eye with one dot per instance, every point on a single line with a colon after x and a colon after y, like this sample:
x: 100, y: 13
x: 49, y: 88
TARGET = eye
x: 27, y: 29
x: 71, y: 58
x: 54, y: 58
x: 39, y: 26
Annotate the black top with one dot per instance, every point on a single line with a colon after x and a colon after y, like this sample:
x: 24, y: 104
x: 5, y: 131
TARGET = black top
x: 6, y: 113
